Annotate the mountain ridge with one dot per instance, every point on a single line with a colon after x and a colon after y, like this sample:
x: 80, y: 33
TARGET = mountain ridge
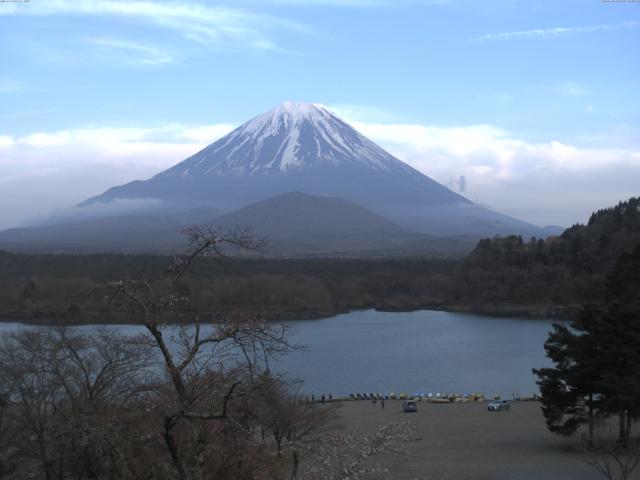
x: 294, y: 224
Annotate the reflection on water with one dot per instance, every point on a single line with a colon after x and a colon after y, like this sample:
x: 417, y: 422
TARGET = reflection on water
x: 423, y: 351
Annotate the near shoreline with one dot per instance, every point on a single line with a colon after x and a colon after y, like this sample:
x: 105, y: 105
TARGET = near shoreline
x: 464, y: 441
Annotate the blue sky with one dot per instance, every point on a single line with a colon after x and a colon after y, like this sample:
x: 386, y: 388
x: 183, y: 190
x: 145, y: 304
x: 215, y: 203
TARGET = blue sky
x: 535, y: 103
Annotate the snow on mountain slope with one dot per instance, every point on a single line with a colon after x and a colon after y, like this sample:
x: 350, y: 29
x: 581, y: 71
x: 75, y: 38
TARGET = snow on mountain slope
x: 291, y: 136
x: 295, y: 146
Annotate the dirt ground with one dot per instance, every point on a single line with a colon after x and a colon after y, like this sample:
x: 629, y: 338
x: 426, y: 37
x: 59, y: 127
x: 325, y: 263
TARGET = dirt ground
x: 464, y: 441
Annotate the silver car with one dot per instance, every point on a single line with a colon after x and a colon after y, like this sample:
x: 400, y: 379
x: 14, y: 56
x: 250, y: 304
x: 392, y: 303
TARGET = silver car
x: 499, y: 405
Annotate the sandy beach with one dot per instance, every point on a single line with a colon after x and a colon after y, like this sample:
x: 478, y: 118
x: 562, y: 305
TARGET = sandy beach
x: 464, y: 441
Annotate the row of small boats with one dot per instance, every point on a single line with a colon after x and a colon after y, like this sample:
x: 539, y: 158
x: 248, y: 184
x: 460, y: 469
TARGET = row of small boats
x: 421, y: 396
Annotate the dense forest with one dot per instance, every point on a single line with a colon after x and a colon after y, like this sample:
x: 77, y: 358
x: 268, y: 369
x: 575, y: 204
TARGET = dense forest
x: 504, y: 275
x: 558, y: 272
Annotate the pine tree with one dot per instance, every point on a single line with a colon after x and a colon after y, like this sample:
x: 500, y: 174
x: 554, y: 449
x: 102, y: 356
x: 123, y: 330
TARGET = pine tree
x: 570, y: 396
x: 597, y: 359
x: 619, y: 334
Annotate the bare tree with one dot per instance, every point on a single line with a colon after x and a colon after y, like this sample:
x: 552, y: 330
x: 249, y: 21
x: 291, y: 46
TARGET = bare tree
x: 308, y: 422
x: 211, y: 368
x: 294, y: 423
x: 612, y: 459
x: 8, y: 449
x: 61, y: 391
x: 32, y: 392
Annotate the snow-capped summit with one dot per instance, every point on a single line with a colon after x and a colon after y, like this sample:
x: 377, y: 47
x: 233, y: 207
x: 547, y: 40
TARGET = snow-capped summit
x: 294, y: 111
x: 291, y: 136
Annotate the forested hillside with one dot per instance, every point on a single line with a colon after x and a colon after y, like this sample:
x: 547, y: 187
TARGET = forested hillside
x: 510, y: 276
x: 565, y: 270
x: 62, y: 288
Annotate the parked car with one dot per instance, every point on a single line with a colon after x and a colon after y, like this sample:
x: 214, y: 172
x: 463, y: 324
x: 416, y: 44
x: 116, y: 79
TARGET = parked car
x: 409, y: 406
x: 499, y: 405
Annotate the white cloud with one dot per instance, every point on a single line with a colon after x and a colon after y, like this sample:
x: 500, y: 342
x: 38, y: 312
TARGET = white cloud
x: 357, y: 3
x: 488, y: 151
x: 341, y: 3
x: 124, y: 139
x: 43, y: 171
x: 127, y: 153
x: 6, y: 141
x: 571, y: 89
x: 555, y: 32
x: 209, y: 25
x: 9, y: 86
x: 543, y: 182
x: 134, y: 53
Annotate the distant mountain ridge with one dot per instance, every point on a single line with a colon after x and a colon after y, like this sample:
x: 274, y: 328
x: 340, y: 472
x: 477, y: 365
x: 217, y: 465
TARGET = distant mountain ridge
x: 120, y: 233
x: 294, y: 224
x: 298, y: 214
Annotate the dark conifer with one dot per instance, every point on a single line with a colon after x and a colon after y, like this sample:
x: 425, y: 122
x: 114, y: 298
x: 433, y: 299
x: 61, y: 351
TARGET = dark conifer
x: 597, y: 359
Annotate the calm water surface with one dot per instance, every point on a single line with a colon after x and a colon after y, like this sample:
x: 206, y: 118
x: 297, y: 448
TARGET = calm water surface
x: 423, y: 351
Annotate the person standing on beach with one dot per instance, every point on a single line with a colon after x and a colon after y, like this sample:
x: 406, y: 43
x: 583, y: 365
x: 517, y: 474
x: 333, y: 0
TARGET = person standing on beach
x: 382, y: 403
x: 373, y: 400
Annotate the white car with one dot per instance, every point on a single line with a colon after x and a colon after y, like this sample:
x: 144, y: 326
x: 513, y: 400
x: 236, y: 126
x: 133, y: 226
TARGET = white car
x: 499, y: 405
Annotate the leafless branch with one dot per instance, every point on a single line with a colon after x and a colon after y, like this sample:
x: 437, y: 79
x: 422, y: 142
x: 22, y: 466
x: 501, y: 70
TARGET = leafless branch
x: 611, y: 459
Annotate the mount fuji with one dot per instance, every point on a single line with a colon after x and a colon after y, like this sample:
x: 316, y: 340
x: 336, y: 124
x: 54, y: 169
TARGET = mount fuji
x: 296, y: 173
x: 304, y: 147
x: 294, y: 147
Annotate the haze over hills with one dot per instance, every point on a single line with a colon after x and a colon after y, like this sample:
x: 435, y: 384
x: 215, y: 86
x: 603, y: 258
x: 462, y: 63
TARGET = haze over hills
x: 133, y: 233
x: 295, y: 224
x: 350, y: 196
x: 299, y: 214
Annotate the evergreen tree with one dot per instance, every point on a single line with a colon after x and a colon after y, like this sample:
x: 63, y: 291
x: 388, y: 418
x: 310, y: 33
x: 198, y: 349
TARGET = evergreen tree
x: 597, y: 359
x: 619, y: 334
x: 570, y: 396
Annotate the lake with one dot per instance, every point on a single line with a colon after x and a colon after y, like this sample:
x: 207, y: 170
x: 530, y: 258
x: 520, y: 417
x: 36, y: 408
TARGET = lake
x: 422, y: 351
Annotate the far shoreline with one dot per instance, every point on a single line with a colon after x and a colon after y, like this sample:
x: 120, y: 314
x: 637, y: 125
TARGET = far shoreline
x: 528, y: 312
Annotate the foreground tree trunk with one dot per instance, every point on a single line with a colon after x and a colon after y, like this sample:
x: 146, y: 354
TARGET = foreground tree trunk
x: 295, y: 463
x: 624, y: 427
x: 591, y: 420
